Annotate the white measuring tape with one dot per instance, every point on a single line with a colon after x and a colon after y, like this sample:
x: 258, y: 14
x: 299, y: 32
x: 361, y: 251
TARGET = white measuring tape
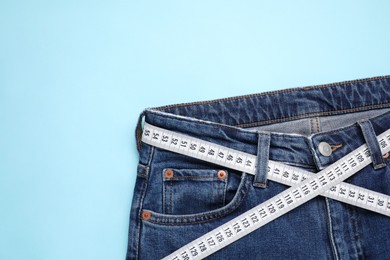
x: 278, y: 172
x: 305, y: 186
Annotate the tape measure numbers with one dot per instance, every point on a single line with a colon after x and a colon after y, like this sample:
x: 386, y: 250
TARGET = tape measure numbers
x: 278, y: 172
x: 327, y: 182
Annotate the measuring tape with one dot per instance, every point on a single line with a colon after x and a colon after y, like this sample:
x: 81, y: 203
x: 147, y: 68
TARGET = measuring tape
x: 277, y: 172
x: 305, y: 186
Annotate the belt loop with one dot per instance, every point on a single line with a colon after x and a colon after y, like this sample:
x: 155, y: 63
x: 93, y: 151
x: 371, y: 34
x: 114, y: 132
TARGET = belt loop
x: 372, y: 143
x: 261, y: 171
x: 138, y: 131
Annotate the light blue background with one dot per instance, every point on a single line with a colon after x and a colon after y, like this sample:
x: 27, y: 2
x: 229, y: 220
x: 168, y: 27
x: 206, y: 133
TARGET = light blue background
x: 74, y: 75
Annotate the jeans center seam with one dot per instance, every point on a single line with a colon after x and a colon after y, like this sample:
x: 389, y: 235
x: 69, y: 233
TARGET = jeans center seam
x: 334, y: 247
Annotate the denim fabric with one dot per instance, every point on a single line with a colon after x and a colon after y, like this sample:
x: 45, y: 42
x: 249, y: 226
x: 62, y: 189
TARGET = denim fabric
x: 188, y: 197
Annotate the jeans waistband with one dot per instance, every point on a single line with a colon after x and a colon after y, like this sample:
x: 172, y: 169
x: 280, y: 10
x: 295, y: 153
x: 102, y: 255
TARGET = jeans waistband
x: 237, y: 121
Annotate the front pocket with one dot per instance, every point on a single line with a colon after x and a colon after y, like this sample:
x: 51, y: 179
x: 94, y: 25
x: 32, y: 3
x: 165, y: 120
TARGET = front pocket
x: 237, y: 189
x: 188, y: 191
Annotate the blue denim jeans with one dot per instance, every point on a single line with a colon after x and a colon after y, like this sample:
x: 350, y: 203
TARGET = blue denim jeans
x: 185, y: 198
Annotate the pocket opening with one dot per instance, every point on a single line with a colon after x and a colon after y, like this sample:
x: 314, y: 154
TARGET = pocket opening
x: 201, y: 217
x: 203, y: 189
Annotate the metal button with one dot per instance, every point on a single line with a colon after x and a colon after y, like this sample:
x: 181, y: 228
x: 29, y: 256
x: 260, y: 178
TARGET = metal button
x: 146, y: 215
x: 168, y: 173
x: 221, y: 174
x: 325, y: 149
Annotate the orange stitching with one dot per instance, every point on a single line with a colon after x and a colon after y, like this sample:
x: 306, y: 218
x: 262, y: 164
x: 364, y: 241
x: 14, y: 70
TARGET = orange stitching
x: 331, y: 112
x: 233, y: 127
x: 318, y: 123
x: 348, y: 82
x: 229, y: 210
x: 171, y: 195
x: 200, y: 221
x: 192, y: 177
x: 218, y: 191
x: 311, y: 125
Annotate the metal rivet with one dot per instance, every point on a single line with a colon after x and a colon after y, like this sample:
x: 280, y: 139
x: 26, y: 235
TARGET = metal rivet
x: 146, y: 215
x: 221, y: 174
x: 168, y: 173
x: 325, y: 149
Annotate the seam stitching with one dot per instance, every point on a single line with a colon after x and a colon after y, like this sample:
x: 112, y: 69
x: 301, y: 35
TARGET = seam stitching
x: 296, y: 89
x: 224, y: 190
x: 245, y: 132
x: 322, y: 113
x: 205, y: 177
x: 334, y: 248
x: 222, y: 214
x: 164, y: 196
x: 318, y: 124
x: 218, y: 193
x: 170, y: 197
x: 356, y: 229
x: 311, y: 125
x: 138, y: 234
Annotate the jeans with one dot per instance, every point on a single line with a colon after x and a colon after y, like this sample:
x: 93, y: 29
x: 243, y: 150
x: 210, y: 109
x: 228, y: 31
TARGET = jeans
x: 177, y: 198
